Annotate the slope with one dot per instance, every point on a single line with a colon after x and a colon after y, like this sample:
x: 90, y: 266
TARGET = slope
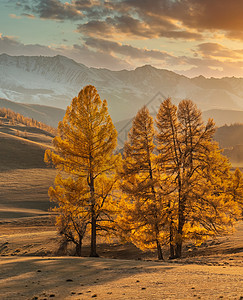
x: 45, y: 114
x: 24, y: 177
x: 223, y: 116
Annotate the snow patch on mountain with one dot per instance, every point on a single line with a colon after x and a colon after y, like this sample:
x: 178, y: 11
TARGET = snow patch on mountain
x: 56, y: 80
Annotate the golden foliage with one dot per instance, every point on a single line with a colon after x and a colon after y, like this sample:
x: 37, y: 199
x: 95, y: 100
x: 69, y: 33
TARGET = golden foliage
x: 197, y: 170
x: 84, y: 150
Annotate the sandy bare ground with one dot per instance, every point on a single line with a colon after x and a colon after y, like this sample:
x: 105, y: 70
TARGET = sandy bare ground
x: 30, y: 269
x: 86, y: 278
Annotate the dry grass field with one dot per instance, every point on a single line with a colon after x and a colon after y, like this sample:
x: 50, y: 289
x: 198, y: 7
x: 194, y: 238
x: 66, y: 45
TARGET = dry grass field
x: 31, y: 265
x: 24, y: 177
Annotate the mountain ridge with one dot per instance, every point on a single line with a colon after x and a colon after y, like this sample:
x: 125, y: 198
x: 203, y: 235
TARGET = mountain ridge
x: 54, y: 81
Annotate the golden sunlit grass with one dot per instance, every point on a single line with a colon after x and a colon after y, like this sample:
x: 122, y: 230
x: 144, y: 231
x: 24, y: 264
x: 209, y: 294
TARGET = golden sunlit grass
x: 24, y: 177
x: 24, y: 192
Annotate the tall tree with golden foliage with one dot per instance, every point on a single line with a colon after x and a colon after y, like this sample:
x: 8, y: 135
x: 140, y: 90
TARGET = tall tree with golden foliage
x: 143, y: 217
x: 84, y: 155
x: 200, y: 174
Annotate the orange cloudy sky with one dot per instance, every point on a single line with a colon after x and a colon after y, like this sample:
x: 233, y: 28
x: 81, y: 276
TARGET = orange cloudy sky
x: 191, y: 37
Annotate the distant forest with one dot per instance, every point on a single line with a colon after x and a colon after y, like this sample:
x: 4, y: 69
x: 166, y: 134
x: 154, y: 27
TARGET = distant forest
x: 16, y: 117
x: 229, y: 135
x: 230, y: 138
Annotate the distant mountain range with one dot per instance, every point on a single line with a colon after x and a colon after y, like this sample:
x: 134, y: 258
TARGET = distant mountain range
x: 54, y: 81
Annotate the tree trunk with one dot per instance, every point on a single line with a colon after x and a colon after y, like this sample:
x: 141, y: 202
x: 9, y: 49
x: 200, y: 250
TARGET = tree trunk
x: 172, y: 247
x: 79, y: 247
x: 178, y: 249
x: 159, y: 251
x: 93, y: 215
x: 180, y: 231
x: 93, y: 236
x: 181, y: 222
x: 172, y: 251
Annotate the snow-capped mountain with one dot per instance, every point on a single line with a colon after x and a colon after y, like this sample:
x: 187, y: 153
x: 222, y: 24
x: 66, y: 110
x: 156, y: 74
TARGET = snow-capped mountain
x: 54, y: 81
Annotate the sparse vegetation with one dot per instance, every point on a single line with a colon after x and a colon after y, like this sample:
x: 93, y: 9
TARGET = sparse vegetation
x: 14, y: 118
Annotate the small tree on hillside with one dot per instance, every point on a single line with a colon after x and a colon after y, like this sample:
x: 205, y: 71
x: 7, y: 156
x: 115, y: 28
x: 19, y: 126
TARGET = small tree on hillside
x: 84, y: 151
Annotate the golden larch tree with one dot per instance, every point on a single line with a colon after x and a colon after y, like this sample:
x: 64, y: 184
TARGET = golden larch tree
x: 199, y: 172
x: 84, y: 151
x: 143, y: 217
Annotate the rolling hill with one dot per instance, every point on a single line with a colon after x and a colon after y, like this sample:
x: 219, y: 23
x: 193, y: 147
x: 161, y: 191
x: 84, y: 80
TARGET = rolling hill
x: 230, y: 138
x: 24, y: 177
x: 223, y: 116
x: 45, y: 114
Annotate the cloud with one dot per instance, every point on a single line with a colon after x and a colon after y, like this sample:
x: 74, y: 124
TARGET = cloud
x: 212, y: 59
x: 93, y: 52
x: 30, y: 16
x: 80, y: 53
x: 131, y: 53
x: 209, y: 59
x: 13, y: 16
x: 54, y: 9
x: 215, y: 50
x: 216, y: 60
x: 124, y: 27
x: 212, y: 14
x: 185, y: 19
x: 200, y: 15
x: 114, y: 19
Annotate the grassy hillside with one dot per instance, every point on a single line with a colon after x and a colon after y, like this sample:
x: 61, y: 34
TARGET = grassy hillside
x: 24, y: 177
x: 230, y: 138
x: 222, y: 117
x: 45, y: 114
x: 22, y: 146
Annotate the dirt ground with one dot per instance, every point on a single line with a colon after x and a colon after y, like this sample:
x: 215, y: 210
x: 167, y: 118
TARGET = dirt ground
x: 32, y: 268
x: 86, y: 278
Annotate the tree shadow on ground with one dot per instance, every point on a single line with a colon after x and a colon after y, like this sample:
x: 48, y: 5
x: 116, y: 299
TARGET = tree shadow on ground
x: 29, y: 277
